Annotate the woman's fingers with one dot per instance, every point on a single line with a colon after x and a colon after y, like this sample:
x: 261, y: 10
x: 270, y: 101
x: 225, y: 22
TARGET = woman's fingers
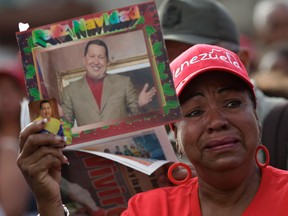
x: 45, y: 157
x: 32, y: 128
x: 42, y: 170
x: 31, y: 139
x: 36, y: 141
x: 40, y: 156
x: 40, y: 160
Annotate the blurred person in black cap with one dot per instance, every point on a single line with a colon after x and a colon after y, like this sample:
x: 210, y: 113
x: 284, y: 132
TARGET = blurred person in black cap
x: 193, y: 22
x: 189, y: 22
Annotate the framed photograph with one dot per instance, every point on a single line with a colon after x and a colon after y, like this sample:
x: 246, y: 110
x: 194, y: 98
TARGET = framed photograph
x: 47, y: 109
x: 108, y: 72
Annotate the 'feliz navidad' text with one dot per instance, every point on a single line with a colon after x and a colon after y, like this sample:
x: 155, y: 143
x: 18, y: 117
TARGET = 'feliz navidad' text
x: 83, y: 28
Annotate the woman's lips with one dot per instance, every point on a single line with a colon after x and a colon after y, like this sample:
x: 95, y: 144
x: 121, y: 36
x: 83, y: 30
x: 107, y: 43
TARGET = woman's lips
x: 219, y: 144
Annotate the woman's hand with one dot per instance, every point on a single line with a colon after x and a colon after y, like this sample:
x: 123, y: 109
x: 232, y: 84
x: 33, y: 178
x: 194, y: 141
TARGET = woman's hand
x: 40, y: 161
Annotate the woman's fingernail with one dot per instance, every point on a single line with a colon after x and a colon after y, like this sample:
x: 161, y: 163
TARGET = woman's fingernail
x: 64, y: 138
x: 41, y: 122
x: 66, y: 161
x: 59, y: 138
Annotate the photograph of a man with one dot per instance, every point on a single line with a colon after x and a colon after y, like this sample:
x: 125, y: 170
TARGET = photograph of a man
x: 99, y: 96
x: 53, y: 125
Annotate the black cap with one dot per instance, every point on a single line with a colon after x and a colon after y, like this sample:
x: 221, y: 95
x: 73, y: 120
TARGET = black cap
x: 198, y: 21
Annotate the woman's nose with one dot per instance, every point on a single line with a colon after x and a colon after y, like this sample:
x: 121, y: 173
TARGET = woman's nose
x: 216, y: 120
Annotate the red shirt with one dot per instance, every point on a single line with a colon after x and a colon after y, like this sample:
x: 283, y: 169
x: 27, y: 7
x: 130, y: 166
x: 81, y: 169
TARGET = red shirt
x: 271, y: 198
x: 96, y: 86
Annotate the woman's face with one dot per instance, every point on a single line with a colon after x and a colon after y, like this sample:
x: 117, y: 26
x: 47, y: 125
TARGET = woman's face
x: 220, y: 129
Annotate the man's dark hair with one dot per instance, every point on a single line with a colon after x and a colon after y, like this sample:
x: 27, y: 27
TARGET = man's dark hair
x: 44, y: 101
x: 99, y: 43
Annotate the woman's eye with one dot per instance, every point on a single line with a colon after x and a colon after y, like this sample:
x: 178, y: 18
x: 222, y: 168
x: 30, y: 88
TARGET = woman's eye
x: 233, y: 103
x: 194, y: 113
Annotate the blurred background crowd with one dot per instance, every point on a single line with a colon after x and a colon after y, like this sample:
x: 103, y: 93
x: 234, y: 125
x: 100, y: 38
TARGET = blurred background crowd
x: 263, y: 27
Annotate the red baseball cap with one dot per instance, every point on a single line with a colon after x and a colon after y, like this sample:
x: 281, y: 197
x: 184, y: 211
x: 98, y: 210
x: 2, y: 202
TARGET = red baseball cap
x: 202, y: 58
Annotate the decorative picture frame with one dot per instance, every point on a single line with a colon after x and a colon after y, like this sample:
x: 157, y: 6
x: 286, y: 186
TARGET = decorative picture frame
x: 52, y: 59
